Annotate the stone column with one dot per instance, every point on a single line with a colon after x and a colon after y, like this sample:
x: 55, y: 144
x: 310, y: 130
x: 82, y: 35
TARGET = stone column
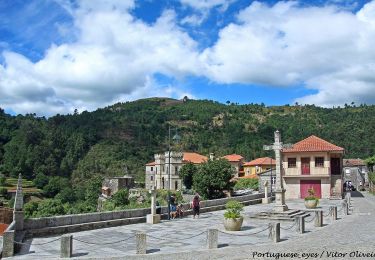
x: 274, y: 234
x: 212, y: 238
x: 345, y: 207
x: 318, y: 218
x: 153, y: 218
x: 300, y: 227
x: 18, y: 215
x: 66, y: 246
x: 140, y: 241
x: 265, y: 200
x: 8, y: 243
x: 280, y: 191
x: 333, y: 210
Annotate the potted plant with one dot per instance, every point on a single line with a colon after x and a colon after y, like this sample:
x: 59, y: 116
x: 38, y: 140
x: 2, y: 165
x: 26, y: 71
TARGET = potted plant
x: 311, y: 201
x: 232, y: 216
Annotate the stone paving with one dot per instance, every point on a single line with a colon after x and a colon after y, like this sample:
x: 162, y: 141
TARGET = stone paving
x: 187, y: 235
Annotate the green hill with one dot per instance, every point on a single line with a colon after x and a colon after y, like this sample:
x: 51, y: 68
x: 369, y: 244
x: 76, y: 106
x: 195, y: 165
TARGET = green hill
x: 79, y: 147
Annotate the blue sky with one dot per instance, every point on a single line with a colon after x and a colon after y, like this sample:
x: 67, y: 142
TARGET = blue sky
x: 61, y: 55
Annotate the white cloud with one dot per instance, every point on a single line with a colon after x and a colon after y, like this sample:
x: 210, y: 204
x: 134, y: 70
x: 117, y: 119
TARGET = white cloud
x: 114, y: 57
x: 207, y: 4
x: 325, y: 48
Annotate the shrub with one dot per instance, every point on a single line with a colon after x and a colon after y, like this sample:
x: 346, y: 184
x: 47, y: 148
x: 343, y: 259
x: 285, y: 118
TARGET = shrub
x: 233, y: 209
x: 247, y: 184
x: 311, y: 195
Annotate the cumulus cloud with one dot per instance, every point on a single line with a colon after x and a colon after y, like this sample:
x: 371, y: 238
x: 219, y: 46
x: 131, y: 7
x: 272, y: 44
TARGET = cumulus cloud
x: 113, y: 58
x: 327, y: 49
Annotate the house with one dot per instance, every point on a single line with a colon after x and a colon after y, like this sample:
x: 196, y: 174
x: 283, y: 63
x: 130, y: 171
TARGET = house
x: 158, y: 174
x: 312, y: 163
x: 236, y: 161
x: 111, y: 185
x: 356, y: 171
x: 258, y: 166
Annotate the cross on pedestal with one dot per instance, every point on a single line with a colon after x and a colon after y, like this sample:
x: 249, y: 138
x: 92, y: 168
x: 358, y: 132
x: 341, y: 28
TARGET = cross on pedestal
x: 153, y: 218
x: 280, y: 191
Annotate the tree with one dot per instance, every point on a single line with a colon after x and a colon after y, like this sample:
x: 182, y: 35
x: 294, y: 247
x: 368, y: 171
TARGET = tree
x: 370, y: 162
x: 54, y: 186
x: 212, y: 178
x: 121, y: 198
x: 49, y: 207
x: 40, y: 180
x: 187, y: 172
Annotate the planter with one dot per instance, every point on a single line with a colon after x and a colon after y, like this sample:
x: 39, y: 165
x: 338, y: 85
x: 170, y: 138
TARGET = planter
x: 233, y: 224
x: 311, y: 204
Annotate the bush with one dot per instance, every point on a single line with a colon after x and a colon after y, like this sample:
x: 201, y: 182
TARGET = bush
x: 311, y: 195
x: 233, y: 209
x: 121, y: 198
x: 2, y: 180
x: 247, y: 184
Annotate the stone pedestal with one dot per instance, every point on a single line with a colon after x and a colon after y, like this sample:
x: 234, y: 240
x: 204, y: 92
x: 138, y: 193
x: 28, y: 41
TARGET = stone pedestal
x: 274, y: 234
x: 8, y: 244
x: 153, y: 219
x: 212, y: 238
x: 300, y: 224
x: 280, y: 201
x: 333, y: 210
x: 140, y: 240
x: 266, y: 200
x: 66, y: 247
x: 18, y: 217
x: 318, y: 218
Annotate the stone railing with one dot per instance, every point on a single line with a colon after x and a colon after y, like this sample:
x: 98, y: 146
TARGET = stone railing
x: 81, y: 222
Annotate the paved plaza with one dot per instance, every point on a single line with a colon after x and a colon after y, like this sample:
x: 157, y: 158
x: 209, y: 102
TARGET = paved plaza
x: 186, y: 238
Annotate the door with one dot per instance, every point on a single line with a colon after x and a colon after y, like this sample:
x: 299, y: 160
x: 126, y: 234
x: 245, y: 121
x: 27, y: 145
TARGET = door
x: 305, y: 185
x: 335, y: 166
x: 305, y: 166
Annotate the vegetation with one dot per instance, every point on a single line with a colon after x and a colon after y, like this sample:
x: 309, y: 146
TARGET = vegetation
x: 77, y: 151
x: 233, y: 209
x: 212, y: 178
x: 247, y: 184
x: 311, y: 195
x: 186, y: 174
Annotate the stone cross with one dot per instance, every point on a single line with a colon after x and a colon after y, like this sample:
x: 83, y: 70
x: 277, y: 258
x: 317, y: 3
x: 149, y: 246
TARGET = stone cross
x: 153, y: 200
x: 153, y: 218
x: 280, y: 191
x: 265, y: 199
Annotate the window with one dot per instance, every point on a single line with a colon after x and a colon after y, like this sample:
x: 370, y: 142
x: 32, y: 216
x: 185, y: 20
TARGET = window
x: 319, y: 161
x: 152, y: 168
x: 273, y: 180
x: 176, y: 170
x: 292, y: 162
x: 152, y: 178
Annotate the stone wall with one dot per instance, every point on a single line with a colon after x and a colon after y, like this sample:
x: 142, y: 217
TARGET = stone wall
x: 6, y: 215
x: 81, y: 222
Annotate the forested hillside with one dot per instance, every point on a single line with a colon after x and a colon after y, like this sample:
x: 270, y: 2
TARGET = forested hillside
x: 75, y: 149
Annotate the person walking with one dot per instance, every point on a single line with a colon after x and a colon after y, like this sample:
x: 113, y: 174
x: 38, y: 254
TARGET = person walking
x: 195, y: 204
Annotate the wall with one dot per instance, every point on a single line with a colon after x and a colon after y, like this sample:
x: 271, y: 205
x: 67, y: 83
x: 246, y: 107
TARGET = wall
x: 80, y: 222
x: 6, y: 215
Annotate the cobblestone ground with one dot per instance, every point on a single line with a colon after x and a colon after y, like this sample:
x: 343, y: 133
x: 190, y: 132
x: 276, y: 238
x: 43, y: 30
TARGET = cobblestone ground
x: 186, y: 238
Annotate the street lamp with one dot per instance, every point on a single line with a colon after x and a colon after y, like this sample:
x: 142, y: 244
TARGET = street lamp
x: 176, y: 139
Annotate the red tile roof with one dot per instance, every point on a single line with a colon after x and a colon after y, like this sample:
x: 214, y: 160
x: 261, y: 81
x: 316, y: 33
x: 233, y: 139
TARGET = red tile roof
x: 151, y: 164
x: 313, y: 144
x: 194, y: 158
x: 261, y: 161
x: 233, y: 157
x: 353, y: 162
